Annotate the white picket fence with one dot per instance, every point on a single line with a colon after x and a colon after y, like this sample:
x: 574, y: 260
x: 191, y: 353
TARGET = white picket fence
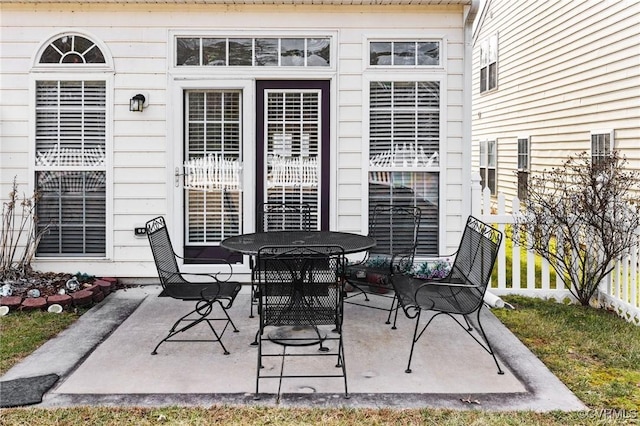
x: 619, y: 292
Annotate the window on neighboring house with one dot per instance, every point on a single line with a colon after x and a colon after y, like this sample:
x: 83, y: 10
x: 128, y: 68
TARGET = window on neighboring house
x: 489, y: 64
x: 488, y: 160
x: 601, y: 145
x: 524, y: 150
x: 70, y: 154
x: 404, y: 149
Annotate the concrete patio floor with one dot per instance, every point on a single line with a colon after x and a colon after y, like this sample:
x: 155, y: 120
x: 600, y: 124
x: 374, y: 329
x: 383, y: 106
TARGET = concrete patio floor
x: 104, y: 359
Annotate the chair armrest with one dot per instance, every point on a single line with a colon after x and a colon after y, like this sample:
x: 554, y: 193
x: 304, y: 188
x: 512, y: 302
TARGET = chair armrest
x: 208, y: 289
x: 220, y: 276
x: 447, y: 296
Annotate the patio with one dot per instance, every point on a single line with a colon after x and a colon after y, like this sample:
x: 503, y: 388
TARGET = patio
x: 104, y: 359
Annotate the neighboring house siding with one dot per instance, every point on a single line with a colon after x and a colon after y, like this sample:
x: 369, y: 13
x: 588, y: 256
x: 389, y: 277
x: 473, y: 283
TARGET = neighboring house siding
x: 565, y: 69
x: 140, y: 145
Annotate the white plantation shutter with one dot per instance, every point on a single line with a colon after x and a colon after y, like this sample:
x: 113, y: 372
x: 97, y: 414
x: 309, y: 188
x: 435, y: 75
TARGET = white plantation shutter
x: 70, y: 167
x: 214, y: 131
x: 404, y: 151
x: 293, y: 148
x: 404, y: 116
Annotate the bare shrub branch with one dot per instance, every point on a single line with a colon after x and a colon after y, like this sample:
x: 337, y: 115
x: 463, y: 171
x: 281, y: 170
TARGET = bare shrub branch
x: 19, y: 236
x: 582, y: 218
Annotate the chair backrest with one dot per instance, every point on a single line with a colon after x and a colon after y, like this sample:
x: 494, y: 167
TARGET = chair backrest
x: 395, y: 230
x: 163, y: 253
x: 300, y: 285
x: 476, y: 255
x: 285, y: 217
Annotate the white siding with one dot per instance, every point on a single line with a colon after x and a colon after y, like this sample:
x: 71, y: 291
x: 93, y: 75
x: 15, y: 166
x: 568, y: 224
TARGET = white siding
x: 140, y: 143
x: 565, y: 68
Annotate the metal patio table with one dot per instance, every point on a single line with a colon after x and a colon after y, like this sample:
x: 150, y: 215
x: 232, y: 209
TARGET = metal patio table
x: 250, y: 244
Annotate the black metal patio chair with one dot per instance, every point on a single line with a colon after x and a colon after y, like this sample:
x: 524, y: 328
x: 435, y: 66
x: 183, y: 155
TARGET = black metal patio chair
x: 395, y: 230
x: 300, y: 303
x: 279, y: 217
x: 207, y: 290
x: 461, y: 292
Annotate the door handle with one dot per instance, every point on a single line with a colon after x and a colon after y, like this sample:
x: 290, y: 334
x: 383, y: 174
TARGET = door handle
x: 177, y: 177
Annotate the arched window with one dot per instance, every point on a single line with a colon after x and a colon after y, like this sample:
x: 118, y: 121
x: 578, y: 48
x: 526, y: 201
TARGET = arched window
x: 72, y: 49
x: 71, y: 147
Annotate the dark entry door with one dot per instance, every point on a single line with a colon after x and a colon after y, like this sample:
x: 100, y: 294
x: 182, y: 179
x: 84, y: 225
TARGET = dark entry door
x: 292, y: 143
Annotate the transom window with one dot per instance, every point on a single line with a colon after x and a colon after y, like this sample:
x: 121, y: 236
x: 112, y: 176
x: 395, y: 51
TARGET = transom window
x: 404, y: 53
x: 489, y: 63
x: 72, y: 49
x: 253, y: 51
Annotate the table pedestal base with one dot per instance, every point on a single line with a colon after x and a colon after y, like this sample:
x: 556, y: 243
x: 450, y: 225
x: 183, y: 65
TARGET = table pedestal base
x: 297, y: 335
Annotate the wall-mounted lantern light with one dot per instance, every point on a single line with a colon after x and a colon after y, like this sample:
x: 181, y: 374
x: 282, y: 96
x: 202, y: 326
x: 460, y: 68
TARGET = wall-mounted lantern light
x: 137, y: 103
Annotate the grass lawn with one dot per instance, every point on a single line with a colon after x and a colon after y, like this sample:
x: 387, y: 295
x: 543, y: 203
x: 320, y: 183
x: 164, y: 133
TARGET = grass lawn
x: 23, y: 332
x: 595, y: 353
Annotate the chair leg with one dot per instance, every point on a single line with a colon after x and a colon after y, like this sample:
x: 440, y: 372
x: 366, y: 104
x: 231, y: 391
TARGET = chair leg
x: 218, y: 337
x: 395, y: 319
x: 490, y: 349
x: 469, y: 327
x: 235, y: 330
x: 203, y: 309
x: 414, y: 340
x: 256, y: 396
x: 341, y: 364
x: 252, y: 301
x: 394, y: 304
x: 255, y: 340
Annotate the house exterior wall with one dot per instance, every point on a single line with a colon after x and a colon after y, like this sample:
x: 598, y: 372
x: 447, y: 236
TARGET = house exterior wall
x: 138, y: 38
x: 565, y: 69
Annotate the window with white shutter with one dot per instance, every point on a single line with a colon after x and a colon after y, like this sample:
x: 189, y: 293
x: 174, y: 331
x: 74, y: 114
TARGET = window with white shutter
x: 601, y: 145
x: 71, y: 147
x: 70, y: 167
x: 404, y: 151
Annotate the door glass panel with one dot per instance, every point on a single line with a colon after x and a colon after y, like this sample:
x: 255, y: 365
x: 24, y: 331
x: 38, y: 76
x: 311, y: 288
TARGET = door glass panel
x: 213, y: 140
x: 292, y: 154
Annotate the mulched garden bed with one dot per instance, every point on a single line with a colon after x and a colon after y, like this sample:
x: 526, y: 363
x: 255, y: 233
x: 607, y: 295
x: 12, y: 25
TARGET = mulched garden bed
x: 40, y: 290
